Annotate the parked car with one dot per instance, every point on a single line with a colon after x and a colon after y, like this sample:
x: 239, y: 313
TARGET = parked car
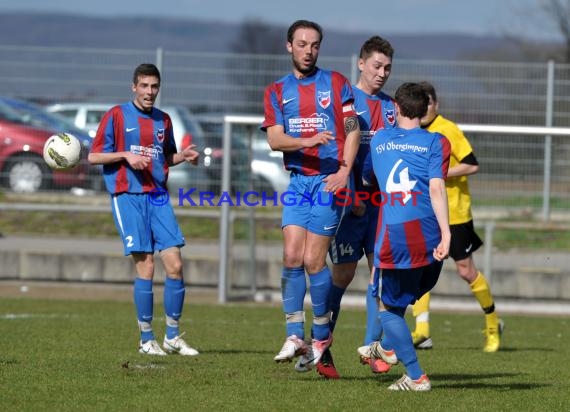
x: 248, y: 142
x: 37, y: 116
x: 186, y: 129
x: 22, y: 167
x: 85, y: 116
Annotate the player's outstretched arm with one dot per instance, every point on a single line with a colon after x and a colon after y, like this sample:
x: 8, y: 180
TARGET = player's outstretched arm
x: 438, y: 196
x: 280, y: 141
x: 136, y: 161
x: 339, y: 179
x: 187, y: 155
x: 463, y: 169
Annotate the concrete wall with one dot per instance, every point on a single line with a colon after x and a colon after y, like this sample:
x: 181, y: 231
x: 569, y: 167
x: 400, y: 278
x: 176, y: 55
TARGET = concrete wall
x: 512, y: 281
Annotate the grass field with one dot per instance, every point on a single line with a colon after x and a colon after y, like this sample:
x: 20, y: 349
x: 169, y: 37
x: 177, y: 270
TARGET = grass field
x: 78, y: 355
x: 101, y: 225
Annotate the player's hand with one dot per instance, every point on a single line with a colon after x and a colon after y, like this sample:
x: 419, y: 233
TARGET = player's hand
x: 441, y: 252
x: 190, y: 155
x: 136, y: 161
x: 318, y: 139
x: 336, y: 181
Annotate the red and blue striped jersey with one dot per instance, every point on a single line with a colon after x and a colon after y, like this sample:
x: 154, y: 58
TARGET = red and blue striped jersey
x: 375, y: 112
x: 305, y: 107
x: 404, y: 161
x: 126, y: 128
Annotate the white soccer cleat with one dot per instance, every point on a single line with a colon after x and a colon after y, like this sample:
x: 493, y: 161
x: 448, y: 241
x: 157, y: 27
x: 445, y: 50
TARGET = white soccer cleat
x: 364, y: 352
x: 378, y: 352
x: 405, y: 383
x: 310, y: 359
x: 151, y: 347
x: 292, y: 347
x: 177, y: 345
x: 376, y: 365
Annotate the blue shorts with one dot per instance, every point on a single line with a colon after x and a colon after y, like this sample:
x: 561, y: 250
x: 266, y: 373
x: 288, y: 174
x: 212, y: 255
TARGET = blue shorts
x: 145, y: 227
x: 355, y: 236
x: 307, y: 205
x: 402, y: 287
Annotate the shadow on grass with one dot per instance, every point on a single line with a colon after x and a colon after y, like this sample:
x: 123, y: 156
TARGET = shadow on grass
x: 483, y: 385
x: 235, y: 351
x: 457, y: 380
x: 502, y: 349
x: 439, y: 381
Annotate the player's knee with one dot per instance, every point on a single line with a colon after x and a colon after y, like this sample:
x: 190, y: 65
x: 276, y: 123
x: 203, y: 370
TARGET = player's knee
x: 144, y: 264
x: 314, y: 267
x: 175, y: 270
x: 467, y: 272
x: 292, y: 257
x: 342, y: 278
x: 292, y: 261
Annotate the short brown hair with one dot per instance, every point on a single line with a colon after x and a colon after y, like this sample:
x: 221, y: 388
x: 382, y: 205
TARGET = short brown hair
x: 145, y: 69
x: 303, y: 24
x: 376, y: 44
x: 412, y: 99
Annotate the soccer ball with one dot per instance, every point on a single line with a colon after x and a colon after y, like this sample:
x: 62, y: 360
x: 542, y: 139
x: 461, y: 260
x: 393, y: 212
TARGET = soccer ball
x: 62, y: 151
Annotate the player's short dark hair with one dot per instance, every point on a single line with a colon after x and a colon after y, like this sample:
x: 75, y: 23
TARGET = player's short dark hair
x: 376, y: 44
x: 145, y: 69
x: 412, y: 99
x: 430, y: 90
x: 303, y: 24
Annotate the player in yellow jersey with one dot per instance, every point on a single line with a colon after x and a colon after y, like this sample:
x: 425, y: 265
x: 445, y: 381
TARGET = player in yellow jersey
x: 464, y: 240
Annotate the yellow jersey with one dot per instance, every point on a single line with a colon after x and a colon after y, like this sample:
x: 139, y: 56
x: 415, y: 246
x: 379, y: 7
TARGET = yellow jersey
x: 458, y: 196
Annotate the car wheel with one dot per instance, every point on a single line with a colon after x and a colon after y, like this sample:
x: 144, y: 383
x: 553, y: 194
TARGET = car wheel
x: 26, y: 174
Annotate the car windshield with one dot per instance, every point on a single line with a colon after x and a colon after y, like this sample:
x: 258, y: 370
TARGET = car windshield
x: 7, y: 113
x: 37, y: 116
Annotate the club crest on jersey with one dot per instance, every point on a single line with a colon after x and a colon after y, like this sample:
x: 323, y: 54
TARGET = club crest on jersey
x: 324, y: 99
x: 390, y: 117
x: 160, y: 135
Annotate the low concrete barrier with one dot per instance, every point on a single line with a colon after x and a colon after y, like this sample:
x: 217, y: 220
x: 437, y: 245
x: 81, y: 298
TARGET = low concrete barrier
x: 515, y: 281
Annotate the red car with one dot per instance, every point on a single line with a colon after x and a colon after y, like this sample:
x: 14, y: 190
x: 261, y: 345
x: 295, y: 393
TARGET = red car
x: 22, y: 167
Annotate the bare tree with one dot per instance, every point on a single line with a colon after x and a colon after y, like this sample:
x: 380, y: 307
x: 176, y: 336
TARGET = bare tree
x: 558, y: 12
x: 258, y: 37
x: 546, y: 25
x: 251, y: 71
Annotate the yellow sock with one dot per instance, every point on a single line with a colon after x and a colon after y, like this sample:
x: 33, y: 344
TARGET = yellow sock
x: 482, y: 293
x: 420, y: 310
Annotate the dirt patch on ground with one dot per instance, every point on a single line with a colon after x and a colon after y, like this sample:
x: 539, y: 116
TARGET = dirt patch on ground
x: 92, y: 291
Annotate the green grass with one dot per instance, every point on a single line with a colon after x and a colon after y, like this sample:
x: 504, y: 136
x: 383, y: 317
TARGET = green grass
x: 557, y: 203
x: 90, y: 224
x: 101, y: 225
x: 78, y: 355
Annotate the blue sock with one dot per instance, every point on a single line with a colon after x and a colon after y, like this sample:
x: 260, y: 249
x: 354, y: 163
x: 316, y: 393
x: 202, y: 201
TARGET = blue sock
x: 320, y: 288
x: 143, y: 302
x: 293, y: 290
x: 335, y: 297
x: 373, y: 324
x: 174, y: 292
x: 397, y: 336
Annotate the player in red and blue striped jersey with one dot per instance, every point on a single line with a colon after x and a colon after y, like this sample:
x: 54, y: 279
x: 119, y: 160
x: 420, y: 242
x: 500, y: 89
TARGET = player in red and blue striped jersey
x: 135, y: 145
x: 357, y: 229
x: 309, y: 116
x: 410, y: 165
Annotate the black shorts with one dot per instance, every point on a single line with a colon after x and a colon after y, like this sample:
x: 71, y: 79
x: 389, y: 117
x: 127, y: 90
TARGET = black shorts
x: 464, y: 241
